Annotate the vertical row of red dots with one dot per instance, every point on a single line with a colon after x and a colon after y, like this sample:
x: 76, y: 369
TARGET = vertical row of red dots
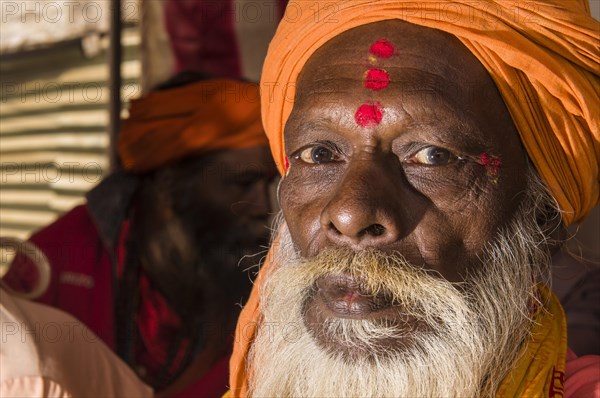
x: 370, y: 113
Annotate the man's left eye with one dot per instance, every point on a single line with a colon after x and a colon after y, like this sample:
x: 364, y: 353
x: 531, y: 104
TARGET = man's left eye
x: 432, y: 156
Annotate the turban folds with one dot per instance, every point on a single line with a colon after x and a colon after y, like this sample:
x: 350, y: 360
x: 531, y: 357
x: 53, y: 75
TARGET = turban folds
x: 168, y: 125
x: 542, y: 55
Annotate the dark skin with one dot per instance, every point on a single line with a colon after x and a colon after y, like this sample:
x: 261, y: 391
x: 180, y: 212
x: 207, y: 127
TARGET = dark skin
x: 198, y: 217
x: 412, y: 184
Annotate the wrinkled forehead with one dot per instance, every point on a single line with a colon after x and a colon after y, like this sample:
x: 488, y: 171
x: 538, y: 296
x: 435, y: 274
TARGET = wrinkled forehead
x: 412, y: 55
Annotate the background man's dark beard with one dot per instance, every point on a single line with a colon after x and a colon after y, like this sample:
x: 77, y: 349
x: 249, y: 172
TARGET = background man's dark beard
x: 194, y: 261
x: 189, y: 239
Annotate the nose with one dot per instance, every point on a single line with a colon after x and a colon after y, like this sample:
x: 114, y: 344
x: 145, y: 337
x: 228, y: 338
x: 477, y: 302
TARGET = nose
x: 365, y: 209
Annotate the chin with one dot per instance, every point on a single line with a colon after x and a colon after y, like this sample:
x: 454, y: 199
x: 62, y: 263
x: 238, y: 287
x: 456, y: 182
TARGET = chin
x: 371, y: 324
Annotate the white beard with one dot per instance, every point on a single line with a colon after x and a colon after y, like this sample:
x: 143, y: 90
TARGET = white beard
x: 475, y: 333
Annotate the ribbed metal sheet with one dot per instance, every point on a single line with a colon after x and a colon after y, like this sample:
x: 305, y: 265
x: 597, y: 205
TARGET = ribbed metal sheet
x: 53, y: 129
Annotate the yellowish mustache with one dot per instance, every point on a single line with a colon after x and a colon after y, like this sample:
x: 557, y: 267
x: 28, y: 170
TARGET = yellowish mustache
x: 377, y: 272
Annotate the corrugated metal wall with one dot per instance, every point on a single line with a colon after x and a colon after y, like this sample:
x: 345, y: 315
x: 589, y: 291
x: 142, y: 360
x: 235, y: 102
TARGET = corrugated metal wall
x: 53, y: 129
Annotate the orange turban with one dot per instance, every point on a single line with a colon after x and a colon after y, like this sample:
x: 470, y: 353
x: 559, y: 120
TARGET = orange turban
x: 206, y: 116
x: 543, y: 56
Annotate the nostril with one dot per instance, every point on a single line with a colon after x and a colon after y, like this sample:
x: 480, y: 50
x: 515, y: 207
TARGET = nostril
x: 334, y: 229
x: 374, y: 230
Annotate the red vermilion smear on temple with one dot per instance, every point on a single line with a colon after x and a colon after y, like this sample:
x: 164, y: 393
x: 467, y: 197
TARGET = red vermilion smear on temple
x: 287, y: 164
x: 377, y: 79
x: 369, y: 114
x: 491, y: 163
x: 382, y: 48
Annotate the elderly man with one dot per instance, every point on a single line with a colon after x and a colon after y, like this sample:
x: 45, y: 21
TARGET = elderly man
x: 152, y: 262
x: 430, y: 151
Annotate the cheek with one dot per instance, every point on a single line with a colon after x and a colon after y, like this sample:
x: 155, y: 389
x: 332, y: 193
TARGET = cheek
x: 301, y: 203
x: 467, y: 205
x: 480, y: 213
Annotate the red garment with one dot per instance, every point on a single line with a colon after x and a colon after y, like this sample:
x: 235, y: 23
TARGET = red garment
x: 82, y: 285
x: 582, y: 378
x: 81, y: 281
x: 211, y: 385
x: 216, y: 37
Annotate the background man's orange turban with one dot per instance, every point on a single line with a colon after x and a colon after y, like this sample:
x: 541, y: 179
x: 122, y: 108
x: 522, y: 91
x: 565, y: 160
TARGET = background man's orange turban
x: 168, y: 125
x: 543, y: 56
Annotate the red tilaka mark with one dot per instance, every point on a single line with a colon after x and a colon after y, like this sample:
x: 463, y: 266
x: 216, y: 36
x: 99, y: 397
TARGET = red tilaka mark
x: 287, y: 165
x: 369, y: 114
x: 491, y: 163
x: 377, y: 79
x: 382, y: 48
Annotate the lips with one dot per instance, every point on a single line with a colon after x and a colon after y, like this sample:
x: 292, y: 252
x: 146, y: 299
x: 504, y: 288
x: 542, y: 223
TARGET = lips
x: 346, y: 297
x: 343, y: 296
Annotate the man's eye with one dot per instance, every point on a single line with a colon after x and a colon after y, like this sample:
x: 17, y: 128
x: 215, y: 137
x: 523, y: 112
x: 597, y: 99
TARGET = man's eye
x: 433, y: 156
x: 317, y: 154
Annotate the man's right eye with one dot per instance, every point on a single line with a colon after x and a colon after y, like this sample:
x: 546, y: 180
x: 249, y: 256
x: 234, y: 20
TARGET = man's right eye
x: 316, y: 154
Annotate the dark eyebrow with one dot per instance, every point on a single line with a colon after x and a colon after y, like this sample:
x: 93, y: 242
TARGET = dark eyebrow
x: 304, y: 129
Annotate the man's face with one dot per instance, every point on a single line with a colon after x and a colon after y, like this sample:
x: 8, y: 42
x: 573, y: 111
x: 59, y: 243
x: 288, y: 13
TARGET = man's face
x: 415, y: 182
x: 235, y: 184
x: 201, y: 216
x: 404, y: 167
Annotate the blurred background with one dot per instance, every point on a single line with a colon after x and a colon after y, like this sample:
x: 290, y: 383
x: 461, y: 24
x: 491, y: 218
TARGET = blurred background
x: 66, y: 80
x: 54, y: 112
x: 68, y: 71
